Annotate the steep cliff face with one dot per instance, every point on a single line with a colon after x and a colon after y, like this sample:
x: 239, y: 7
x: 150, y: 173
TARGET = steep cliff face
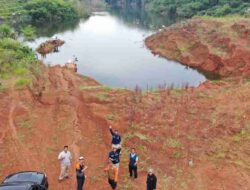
x: 220, y: 46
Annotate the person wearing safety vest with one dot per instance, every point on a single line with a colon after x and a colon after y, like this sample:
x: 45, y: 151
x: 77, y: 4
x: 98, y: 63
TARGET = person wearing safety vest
x: 80, y: 173
x: 116, y: 139
x: 114, y: 157
x: 112, y: 173
x: 151, y: 180
x: 133, y: 160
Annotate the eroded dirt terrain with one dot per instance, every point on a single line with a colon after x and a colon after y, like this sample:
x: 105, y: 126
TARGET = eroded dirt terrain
x: 220, y: 46
x: 209, y: 125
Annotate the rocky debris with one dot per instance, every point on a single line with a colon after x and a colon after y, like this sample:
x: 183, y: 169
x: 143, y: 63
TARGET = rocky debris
x: 49, y: 46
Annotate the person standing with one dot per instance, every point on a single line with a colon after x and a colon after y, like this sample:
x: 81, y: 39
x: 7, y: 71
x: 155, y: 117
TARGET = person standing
x: 112, y: 172
x: 116, y: 139
x: 133, y: 160
x: 80, y: 173
x: 114, y: 157
x: 151, y: 180
x: 65, y: 159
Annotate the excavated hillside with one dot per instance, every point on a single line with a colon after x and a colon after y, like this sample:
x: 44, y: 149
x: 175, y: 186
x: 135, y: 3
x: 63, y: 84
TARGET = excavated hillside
x: 220, y: 46
x: 194, y: 138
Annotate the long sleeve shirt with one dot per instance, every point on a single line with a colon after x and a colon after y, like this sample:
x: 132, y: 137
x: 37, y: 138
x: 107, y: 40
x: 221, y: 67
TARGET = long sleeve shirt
x: 151, y: 182
x: 116, y: 139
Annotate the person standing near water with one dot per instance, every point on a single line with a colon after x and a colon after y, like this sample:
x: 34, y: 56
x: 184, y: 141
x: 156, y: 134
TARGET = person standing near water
x: 80, y: 173
x: 133, y: 160
x: 65, y: 159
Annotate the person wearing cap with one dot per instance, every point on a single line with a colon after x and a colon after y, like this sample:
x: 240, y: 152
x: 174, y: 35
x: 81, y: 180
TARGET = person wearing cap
x: 80, y: 173
x: 114, y: 157
x: 65, y: 158
x: 151, y: 180
x: 112, y: 173
x: 133, y: 160
x: 116, y: 139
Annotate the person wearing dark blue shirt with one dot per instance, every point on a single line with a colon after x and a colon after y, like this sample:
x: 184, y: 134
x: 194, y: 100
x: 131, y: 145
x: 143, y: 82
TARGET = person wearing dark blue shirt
x: 151, y: 180
x: 133, y: 160
x: 114, y: 157
x: 116, y: 139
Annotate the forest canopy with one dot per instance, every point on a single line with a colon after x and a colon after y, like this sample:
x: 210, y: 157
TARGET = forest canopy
x: 189, y: 8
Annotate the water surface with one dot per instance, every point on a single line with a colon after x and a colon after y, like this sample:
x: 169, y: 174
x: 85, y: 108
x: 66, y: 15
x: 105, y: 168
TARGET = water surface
x: 110, y: 48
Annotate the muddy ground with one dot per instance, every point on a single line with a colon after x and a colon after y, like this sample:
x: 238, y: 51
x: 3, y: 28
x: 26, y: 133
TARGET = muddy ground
x: 209, y: 125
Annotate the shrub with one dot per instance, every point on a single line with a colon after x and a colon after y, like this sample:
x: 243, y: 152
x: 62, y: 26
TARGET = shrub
x: 43, y: 11
x: 29, y: 32
x: 23, y: 82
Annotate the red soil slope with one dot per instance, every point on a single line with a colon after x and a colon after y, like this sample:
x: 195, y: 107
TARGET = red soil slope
x: 210, y: 125
x: 220, y: 46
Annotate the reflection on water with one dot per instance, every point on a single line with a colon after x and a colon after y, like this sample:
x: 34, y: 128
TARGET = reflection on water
x: 110, y: 48
x: 143, y: 19
x: 50, y: 29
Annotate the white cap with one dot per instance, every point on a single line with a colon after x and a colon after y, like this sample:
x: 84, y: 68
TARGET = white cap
x: 81, y: 158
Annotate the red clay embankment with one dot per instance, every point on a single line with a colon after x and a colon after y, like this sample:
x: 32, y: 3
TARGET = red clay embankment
x: 215, y: 45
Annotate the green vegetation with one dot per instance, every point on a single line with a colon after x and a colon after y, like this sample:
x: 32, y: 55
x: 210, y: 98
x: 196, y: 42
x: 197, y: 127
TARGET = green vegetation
x: 111, y: 116
x: 189, y: 8
x: 6, y: 31
x: 41, y: 11
x: 16, y: 59
x: 173, y: 143
x: 29, y: 32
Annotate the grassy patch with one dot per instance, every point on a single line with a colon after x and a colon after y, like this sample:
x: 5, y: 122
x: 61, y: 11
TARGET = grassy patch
x: 177, y: 92
x: 51, y: 150
x: 111, y: 116
x: 177, y: 154
x: 173, y: 143
x: 23, y: 82
x: 102, y: 96
x: 243, y: 135
x: 95, y: 87
x: 29, y: 32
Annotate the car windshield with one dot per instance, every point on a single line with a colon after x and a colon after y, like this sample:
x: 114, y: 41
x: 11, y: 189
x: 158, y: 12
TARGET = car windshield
x: 25, y: 176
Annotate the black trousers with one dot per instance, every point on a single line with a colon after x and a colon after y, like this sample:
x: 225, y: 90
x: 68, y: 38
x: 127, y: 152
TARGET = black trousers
x: 80, y: 182
x: 133, y: 170
x: 113, y: 184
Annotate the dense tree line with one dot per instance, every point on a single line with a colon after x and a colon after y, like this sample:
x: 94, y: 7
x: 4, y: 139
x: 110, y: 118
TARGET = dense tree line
x: 189, y: 8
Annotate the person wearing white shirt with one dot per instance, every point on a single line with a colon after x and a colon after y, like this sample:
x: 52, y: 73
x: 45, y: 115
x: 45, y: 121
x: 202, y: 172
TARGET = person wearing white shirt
x: 65, y: 159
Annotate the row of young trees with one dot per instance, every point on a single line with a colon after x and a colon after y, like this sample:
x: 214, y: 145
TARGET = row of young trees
x: 189, y: 8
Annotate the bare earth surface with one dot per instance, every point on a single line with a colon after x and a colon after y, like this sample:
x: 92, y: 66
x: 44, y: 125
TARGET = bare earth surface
x: 220, y: 46
x: 209, y: 125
